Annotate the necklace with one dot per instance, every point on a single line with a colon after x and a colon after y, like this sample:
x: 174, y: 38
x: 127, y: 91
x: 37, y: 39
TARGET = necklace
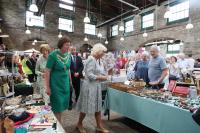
x: 63, y: 60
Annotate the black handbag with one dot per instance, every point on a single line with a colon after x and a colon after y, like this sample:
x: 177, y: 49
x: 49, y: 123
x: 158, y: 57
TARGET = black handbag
x: 196, y: 116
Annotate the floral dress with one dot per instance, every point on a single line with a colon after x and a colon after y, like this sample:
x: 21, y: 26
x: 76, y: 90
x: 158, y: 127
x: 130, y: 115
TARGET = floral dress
x: 39, y: 70
x: 90, y: 99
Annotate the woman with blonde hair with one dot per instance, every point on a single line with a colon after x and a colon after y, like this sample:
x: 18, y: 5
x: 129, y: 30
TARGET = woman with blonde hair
x: 90, y: 100
x: 40, y: 69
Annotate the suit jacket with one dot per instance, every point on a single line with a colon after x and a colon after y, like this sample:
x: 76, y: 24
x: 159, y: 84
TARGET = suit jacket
x: 76, y: 67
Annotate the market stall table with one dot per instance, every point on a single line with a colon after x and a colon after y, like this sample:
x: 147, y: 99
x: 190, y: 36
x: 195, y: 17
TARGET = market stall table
x: 29, y: 114
x: 161, y: 117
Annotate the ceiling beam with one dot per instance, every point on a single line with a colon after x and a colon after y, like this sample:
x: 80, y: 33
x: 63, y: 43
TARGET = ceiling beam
x: 131, y: 5
x: 116, y: 17
x: 42, y: 6
x: 152, y: 1
x: 92, y: 9
x: 112, y: 4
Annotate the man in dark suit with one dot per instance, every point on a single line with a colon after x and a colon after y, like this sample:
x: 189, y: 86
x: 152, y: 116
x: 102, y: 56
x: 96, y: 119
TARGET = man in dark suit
x: 76, y: 69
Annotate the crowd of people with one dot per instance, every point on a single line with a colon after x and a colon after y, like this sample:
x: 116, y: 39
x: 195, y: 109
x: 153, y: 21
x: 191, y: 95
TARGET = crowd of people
x: 156, y: 70
x: 61, y: 73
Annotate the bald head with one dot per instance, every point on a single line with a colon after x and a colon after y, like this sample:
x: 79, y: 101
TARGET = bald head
x: 182, y: 56
x: 73, y: 50
x: 154, y: 51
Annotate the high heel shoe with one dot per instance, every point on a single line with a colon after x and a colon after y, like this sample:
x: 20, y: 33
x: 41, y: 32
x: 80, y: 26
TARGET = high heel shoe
x: 102, y: 130
x: 81, y: 130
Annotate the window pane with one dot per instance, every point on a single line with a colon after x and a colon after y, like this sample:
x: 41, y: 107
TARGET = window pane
x: 65, y: 24
x: 179, y: 11
x: 129, y: 26
x: 33, y: 20
x: 90, y: 29
x: 68, y: 1
x: 68, y: 7
x: 114, y: 30
x: 148, y: 20
x: 175, y: 47
x: 186, y: 12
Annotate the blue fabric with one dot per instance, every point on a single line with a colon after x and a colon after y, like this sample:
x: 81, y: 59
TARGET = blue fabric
x: 21, y: 130
x: 158, y: 116
x: 141, y: 70
x: 156, y: 66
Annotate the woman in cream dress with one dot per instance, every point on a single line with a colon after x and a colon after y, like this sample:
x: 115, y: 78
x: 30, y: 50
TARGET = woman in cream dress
x: 40, y: 68
x: 90, y: 99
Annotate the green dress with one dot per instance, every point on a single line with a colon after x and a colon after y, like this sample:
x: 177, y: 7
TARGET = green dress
x: 59, y: 65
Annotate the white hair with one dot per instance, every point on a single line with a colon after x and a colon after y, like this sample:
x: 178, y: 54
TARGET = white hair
x: 182, y: 54
x: 98, y: 48
x: 145, y: 53
x: 155, y: 47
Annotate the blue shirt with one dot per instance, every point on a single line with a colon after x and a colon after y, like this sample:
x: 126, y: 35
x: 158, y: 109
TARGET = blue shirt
x: 156, y: 66
x: 141, y: 70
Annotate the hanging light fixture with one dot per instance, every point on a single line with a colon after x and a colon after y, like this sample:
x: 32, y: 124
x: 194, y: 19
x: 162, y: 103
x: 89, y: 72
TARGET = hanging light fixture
x: 86, y: 19
x: 145, y: 34
x: 181, y: 43
x: 106, y: 42
x: 35, y: 41
x: 60, y: 35
x: 27, y: 31
x: 189, y: 25
x: 33, y: 7
x: 121, y: 27
x: 122, y: 39
x: 85, y: 39
x: 99, y: 35
x: 167, y: 13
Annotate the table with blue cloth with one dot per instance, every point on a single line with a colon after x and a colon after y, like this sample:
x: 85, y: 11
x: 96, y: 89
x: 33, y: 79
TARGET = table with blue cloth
x: 161, y: 117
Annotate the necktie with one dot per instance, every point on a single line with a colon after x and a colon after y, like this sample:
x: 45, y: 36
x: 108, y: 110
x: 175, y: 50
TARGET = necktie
x: 74, y: 59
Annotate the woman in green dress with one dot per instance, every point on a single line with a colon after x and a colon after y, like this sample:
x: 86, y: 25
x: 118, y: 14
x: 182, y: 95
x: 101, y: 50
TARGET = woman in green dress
x: 57, y: 77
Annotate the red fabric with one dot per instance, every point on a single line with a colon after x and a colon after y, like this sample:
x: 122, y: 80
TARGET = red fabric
x: 20, y: 70
x: 126, y: 60
x: 172, y: 85
x: 181, y: 90
x: 21, y: 122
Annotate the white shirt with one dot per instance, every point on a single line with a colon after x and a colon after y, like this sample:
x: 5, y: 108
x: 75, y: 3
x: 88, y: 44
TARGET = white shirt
x: 183, y: 64
x: 191, y: 62
x: 173, y: 69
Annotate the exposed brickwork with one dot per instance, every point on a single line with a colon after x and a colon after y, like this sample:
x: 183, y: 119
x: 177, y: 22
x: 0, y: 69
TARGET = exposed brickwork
x: 177, y: 31
x: 13, y: 13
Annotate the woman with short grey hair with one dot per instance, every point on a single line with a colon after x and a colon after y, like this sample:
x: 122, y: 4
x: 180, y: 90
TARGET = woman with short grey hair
x: 90, y: 99
x: 141, y: 67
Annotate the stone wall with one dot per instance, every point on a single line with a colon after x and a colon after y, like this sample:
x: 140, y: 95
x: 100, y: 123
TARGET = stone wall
x: 13, y: 14
x: 175, y: 31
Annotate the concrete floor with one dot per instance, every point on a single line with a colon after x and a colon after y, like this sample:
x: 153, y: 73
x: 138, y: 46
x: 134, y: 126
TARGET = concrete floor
x: 117, y: 124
